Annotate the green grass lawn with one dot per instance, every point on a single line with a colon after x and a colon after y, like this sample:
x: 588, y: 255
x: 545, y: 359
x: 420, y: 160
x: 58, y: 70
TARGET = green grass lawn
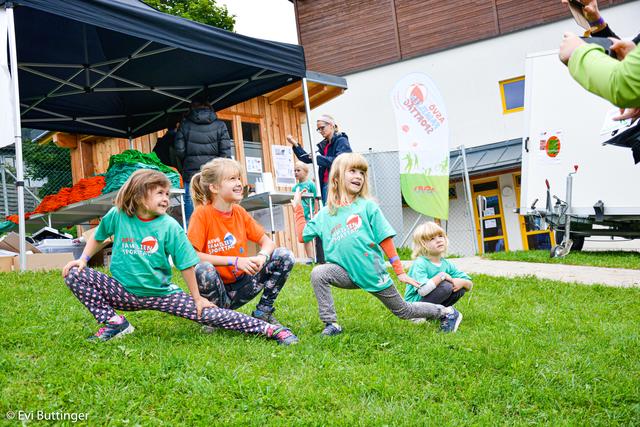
x: 527, y: 352
x: 612, y: 259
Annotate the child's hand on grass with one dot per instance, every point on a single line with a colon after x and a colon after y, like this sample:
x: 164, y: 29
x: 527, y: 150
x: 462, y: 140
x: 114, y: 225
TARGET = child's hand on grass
x: 80, y: 263
x: 201, y: 304
x: 404, y: 278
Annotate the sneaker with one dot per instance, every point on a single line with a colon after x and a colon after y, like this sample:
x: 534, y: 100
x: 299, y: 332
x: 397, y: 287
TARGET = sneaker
x: 331, y: 329
x: 113, y: 329
x: 419, y: 321
x: 284, y: 336
x: 450, y: 322
x: 266, y: 317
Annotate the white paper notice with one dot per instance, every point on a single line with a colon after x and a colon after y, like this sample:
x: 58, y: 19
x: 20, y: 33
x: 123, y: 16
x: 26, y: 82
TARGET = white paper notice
x: 283, y: 162
x: 490, y: 223
x: 254, y: 164
x: 489, y: 212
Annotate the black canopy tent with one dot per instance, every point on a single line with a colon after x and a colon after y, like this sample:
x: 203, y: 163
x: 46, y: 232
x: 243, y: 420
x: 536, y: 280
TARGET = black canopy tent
x: 121, y: 68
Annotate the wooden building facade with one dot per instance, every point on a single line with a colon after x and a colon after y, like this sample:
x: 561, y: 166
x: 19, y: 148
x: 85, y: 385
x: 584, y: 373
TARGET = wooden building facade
x: 254, y: 126
x: 344, y: 36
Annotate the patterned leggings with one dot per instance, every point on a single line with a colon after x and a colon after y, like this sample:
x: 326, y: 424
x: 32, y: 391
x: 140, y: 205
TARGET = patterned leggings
x: 102, y: 294
x: 271, y: 279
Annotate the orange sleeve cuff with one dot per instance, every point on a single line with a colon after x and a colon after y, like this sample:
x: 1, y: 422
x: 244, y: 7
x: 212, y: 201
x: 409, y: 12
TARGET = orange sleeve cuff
x: 300, y: 222
x: 390, y: 250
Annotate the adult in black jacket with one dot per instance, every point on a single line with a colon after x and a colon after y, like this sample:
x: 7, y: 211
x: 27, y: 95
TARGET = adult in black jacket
x: 333, y: 144
x: 200, y: 138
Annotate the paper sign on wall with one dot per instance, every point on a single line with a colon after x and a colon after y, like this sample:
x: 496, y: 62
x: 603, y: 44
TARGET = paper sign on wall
x: 490, y: 223
x: 283, y: 163
x: 254, y: 164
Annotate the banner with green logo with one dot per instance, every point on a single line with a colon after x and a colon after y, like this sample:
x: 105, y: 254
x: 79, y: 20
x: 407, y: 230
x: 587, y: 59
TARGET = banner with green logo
x: 422, y: 126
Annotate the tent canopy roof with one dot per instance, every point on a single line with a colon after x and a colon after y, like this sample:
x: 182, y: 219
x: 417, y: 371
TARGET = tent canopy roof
x: 122, y: 68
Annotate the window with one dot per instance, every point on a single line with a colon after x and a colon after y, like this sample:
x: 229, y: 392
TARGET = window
x: 453, y: 195
x: 512, y: 92
x: 229, y: 125
x: 254, y: 156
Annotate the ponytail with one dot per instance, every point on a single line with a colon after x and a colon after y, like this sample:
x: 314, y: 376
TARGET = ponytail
x: 199, y: 195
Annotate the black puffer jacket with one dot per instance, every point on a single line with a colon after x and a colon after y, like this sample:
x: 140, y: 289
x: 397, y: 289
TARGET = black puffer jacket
x: 201, y: 137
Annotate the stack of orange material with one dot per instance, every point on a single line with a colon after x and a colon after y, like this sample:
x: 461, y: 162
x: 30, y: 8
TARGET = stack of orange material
x: 86, y: 188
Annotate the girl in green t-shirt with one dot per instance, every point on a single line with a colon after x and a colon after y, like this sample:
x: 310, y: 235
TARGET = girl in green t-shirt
x: 355, y: 237
x: 305, y: 185
x: 143, y: 238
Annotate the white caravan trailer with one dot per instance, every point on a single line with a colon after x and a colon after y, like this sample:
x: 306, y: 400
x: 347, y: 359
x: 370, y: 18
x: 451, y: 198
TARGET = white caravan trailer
x: 567, y: 171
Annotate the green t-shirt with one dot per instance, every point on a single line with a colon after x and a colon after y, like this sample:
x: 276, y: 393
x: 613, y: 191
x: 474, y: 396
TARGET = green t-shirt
x: 351, y: 238
x: 422, y: 270
x: 307, y: 204
x: 140, y: 250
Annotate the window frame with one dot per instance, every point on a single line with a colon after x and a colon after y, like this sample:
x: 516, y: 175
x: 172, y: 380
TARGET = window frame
x: 502, y: 84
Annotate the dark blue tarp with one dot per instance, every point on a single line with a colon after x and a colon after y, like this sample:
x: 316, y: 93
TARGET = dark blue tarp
x: 154, y: 64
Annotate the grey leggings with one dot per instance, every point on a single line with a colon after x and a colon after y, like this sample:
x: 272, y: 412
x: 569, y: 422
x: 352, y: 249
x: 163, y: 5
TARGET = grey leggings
x: 326, y: 275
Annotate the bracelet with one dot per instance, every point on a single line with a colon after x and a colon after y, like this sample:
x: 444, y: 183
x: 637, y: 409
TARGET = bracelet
x: 266, y: 255
x: 597, y: 22
x: 236, y: 264
x: 85, y: 258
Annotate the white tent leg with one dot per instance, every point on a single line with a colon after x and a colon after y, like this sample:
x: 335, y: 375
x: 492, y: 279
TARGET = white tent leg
x: 307, y: 110
x: 13, y: 58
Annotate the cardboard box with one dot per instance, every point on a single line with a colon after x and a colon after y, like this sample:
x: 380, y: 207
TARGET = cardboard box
x: 6, y: 264
x: 44, y: 261
x: 11, y: 242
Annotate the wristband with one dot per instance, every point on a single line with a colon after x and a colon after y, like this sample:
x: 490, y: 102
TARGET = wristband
x: 85, y: 258
x: 393, y: 259
x: 598, y: 22
x: 266, y: 255
x: 236, y: 264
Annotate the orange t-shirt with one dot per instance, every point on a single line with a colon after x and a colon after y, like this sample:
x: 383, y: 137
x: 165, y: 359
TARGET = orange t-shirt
x: 217, y: 233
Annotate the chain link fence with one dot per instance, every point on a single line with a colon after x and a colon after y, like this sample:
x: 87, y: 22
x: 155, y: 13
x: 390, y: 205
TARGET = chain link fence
x: 47, y: 169
x: 384, y: 183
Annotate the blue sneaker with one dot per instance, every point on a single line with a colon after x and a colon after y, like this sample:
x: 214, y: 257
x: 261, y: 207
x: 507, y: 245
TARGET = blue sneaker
x: 331, y: 329
x: 112, y: 330
x: 450, y: 322
x: 284, y: 336
x: 266, y: 316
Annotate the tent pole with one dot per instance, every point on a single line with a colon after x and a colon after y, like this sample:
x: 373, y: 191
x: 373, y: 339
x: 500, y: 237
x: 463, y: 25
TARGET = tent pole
x: 307, y: 110
x: 5, y: 196
x: 467, y: 188
x: 13, y: 57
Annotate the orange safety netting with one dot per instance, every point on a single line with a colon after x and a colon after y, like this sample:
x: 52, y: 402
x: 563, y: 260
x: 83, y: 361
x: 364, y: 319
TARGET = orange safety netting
x: 86, y: 188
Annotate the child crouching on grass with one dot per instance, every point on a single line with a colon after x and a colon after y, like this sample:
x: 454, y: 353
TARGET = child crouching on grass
x: 143, y: 237
x: 354, y: 235
x: 441, y: 282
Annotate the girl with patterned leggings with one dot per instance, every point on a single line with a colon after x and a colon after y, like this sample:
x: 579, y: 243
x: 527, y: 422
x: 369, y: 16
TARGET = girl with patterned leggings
x: 219, y: 231
x: 143, y: 238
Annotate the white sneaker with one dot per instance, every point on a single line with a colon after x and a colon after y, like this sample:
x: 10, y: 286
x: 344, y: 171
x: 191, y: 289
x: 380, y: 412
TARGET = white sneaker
x: 206, y: 329
x: 419, y: 320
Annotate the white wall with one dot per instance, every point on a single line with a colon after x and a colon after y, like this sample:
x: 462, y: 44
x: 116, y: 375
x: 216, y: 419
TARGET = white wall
x: 467, y: 77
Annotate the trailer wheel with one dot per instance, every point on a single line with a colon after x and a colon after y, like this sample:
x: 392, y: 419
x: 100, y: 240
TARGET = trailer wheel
x: 555, y: 251
x: 578, y: 241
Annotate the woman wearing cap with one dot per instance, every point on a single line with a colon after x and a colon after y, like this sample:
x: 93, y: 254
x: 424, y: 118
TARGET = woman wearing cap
x: 333, y: 144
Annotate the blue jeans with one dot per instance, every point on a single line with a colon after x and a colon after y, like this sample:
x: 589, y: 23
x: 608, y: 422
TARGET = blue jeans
x: 324, y: 191
x: 188, y: 204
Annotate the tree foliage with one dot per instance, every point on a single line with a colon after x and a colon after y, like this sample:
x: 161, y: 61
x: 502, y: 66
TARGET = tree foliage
x: 203, y: 11
x: 47, y: 162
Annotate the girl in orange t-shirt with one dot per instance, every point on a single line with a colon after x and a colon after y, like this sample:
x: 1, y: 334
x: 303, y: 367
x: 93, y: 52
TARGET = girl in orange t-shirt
x: 219, y: 230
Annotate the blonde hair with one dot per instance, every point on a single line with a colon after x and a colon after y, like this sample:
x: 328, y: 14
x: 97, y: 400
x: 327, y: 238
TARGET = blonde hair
x: 423, y: 234
x: 303, y: 166
x: 329, y: 120
x: 211, y: 173
x: 132, y: 194
x: 337, y: 195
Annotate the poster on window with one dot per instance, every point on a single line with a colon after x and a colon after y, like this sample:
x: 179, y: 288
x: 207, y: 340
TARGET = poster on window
x: 283, y: 164
x: 254, y: 164
x: 6, y: 98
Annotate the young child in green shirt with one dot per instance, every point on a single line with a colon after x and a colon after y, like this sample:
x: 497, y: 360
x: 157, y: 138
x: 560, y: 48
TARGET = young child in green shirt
x: 355, y: 237
x: 441, y: 282
x: 305, y: 185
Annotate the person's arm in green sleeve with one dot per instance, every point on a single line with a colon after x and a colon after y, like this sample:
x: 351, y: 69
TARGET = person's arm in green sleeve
x: 613, y: 80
